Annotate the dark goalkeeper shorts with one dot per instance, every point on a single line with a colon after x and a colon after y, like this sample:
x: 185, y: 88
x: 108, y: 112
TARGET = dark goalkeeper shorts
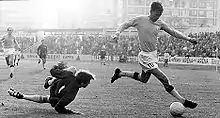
x: 43, y: 56
x: 165, y: 60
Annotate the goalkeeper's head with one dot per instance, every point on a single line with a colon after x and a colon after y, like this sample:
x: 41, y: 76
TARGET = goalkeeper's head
x: 71, y: 69
x: 61, y: 65
x: 83, y: 77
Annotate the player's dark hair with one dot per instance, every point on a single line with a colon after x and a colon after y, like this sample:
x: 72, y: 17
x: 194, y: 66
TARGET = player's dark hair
x: 9, y: 28
x: 61, y: 64
x: 156, y: 6
x: 83, y: 76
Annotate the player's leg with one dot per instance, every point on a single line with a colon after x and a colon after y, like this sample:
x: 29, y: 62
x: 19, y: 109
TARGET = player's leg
x: 15, y: 59
x: 6, y: 56
x: 40, y: 56
x: 7, y: 60
x: 39, y: 60
x: 43, y: 62
x: 167, y: 62
x: 143, y: 77
x: 11, y: 65
x: 104, y: 60
x: 170, y: 89
x: 53, y: 101
x: 144, y: 63
x: 164, y: 63
x: 101, y: 61
x: 18, y: 59
x: 66, y: 99
x: 34, y: 98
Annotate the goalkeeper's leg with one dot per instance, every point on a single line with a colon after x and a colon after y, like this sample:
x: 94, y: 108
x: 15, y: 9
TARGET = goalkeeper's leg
x: 34, y: 98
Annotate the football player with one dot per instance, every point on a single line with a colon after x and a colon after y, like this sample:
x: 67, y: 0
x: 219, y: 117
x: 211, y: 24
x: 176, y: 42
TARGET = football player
x: 42, y: 53
x: 63, y: 89
x: 10, y: 44
x: 148, y: 28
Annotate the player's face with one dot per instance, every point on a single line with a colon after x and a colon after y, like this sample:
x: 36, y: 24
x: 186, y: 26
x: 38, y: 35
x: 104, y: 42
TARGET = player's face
x: 155, y: 15
x: 10, y: 31
x: 62, y: 65
x: 84, y: 85
x: 42, y: 41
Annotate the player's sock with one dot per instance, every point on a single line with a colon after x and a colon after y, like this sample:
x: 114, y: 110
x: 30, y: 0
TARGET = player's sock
x: 11, y: 70
x: 11, y: 75
x: 16, y: 94
x: 190, y: 104
x: 116, y: 75
x: 44, y: 67
x: 39, y: 61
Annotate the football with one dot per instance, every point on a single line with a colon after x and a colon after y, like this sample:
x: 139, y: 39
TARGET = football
x: 177, y: 109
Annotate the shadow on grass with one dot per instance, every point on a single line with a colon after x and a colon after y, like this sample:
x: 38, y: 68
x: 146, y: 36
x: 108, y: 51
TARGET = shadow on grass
x: 39, y: 113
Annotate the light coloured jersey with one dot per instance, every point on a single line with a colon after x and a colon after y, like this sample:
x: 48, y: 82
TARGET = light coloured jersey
x: 166, y: 55
x: 17, y: 53
x: 9, y: 42
x: 147, y: 32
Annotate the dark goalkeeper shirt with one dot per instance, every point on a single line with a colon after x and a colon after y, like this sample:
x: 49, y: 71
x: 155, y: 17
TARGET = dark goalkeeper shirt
x: 42, y: 49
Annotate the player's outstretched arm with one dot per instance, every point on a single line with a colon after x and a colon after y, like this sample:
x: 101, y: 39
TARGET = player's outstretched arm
x: 177, y: 34
x: 16, y: 44
x: 2, y: 39
x: 130, y: 23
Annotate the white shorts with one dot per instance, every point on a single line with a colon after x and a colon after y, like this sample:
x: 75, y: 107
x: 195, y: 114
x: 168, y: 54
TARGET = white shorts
x: 17, y: 53
x: 9, y: 51
x: 148, y: 60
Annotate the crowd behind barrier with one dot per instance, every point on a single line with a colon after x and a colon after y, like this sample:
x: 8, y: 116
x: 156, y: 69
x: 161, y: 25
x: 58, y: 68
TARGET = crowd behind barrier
x: 91, y: 44
x: 207, y: 46
x: 130, y: 59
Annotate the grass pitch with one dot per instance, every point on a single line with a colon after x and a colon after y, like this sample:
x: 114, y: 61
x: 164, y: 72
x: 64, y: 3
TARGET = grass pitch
x: 125, y: 98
